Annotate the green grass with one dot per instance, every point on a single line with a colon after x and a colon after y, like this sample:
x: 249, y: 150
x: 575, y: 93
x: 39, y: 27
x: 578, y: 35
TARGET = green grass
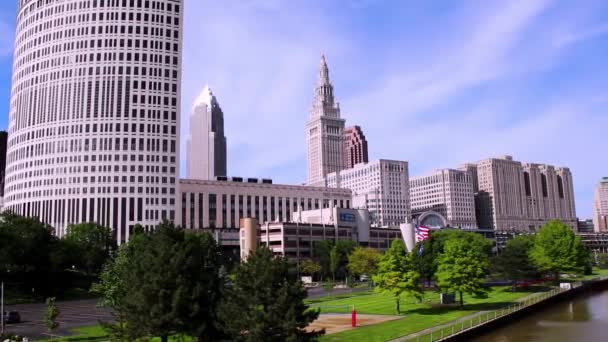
x: 416, y: 316
x: 340, y: 296
x: 96, y: 333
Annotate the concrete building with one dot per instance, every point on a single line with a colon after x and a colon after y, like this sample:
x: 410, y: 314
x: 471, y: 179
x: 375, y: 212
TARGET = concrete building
x: 295, y: 239
x: 585, y: 226
x: 448, y: 192
x: 324, y: 131
x: 600, y: 206
x: 94, y: 112
x: 3, y: 142
x: 380, y: 186
x: 206, y: 157
x: 355, y: 147
x: 222, y: 203
x: 516, y: 196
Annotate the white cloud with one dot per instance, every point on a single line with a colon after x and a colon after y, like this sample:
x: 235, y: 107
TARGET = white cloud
x: 261, y: 60
x: 574, y: 37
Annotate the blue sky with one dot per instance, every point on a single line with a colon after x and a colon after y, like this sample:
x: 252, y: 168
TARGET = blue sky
x: 436, y: 83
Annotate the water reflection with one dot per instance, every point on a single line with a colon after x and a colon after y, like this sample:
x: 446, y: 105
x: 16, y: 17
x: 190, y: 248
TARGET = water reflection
x: 582, y: 319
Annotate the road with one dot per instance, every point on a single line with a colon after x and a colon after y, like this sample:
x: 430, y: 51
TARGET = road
x: 72, y: 314
x: 79, y: 313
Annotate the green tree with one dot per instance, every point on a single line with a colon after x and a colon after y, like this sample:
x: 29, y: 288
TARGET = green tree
x: 514, y: 262
x: 265, y: 302
x: 557, y: 249
x: 322, y: 253
x: 199, y: 286
x: 114, y: 288
x: 94, y: 245
x: 364, y: 260
x: 462, y: 268
x: 426, y: 253
x: 334, y: 262
x: 397, y: 275
x: 310, y: 267
x: 51, y: 314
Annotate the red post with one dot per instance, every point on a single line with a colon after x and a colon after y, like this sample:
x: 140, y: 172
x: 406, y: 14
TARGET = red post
x: 353, y: 318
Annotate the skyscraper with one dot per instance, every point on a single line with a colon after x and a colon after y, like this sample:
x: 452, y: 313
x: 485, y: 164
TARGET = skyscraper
x: 324, y: 131
x: 206, y: 141
x: 94, y: 115
x: 3, y: 141
x: 600, y: 206
x: 521, y: 196
x: 355, y: 147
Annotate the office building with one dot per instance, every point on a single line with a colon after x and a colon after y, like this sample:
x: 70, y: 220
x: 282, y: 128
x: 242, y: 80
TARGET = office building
x: 324, y: 131
x: 295, y: 239
x: 448, y: 192
x: 355, y: 147
x: 206, y: 157
x: 600, y: 206
x: 222, y: 203
x: 94, y: 112
x: 585, y: 226
x: 522, y: 196
x: 3, y: 142
x: 381, y: 186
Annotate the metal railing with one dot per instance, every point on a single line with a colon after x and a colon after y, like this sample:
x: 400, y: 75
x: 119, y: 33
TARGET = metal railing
x: 441, y: 332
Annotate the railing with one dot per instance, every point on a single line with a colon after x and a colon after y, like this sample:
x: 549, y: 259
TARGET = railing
x: 441, y: 332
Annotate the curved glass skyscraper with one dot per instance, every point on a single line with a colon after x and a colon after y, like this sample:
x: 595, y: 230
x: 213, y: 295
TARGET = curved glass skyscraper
x: 94, y: 115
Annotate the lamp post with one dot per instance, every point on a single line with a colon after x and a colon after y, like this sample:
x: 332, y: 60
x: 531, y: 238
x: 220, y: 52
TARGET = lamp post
x: 2, y: 308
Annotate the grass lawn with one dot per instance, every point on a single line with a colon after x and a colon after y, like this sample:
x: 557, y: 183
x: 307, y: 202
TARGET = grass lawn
x: 97, y: 333
x: 417, y: 316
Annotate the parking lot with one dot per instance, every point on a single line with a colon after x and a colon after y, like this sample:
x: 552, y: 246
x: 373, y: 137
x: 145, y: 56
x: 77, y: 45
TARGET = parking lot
x: 72, y: 314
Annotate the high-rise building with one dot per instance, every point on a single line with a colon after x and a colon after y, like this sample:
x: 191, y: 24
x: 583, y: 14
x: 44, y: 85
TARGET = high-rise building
x: 600, y: 206
x: 94, y: 114
x: 380, y: 186
x: 3, y: 141
x: 324, y: 131
x: 516, y: 196
x: 355, y: 147
x: 206, y: 141
x: 448, y: 192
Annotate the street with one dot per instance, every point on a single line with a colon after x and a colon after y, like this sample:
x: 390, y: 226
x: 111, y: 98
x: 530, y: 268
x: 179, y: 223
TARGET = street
x: 72, y: 314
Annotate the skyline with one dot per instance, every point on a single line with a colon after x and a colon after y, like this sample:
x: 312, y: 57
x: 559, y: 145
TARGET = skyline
x: 490, y: 74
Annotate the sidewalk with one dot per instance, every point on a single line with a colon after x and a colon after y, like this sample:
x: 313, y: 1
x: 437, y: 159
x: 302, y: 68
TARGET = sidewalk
x: 413, y: 336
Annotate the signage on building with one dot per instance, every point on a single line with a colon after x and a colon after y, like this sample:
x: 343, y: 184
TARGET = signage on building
x: 347, y: 217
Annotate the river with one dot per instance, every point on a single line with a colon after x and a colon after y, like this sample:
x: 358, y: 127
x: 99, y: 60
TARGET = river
x: 581, y: 319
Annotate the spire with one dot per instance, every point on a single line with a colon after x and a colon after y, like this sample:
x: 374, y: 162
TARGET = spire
x: 205, y: 97
x: 323, y: 71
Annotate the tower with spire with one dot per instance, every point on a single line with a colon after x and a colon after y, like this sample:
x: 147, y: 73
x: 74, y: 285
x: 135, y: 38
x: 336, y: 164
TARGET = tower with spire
x: 206, y: 151
x: 324, y: 131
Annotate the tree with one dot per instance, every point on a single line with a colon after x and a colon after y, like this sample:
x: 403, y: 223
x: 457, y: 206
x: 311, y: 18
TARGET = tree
x: 364, y: 260
x: 199, y: 286
x: 310, y: 267
x: 557, y: 249
x: 514, y: 262
x: 152, y: 283
x: 396, y: 274
x: 322, y: 253
x: 334, y: 262
x: 265, y: 302
x: 114, y: 288
x: 51, y: 314
x: 94, y: 244
x: 427, y: 252
x: 462, y: 268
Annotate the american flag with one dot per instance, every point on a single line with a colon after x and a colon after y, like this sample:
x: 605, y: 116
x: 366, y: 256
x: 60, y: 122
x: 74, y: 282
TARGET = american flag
x: 422, y: 233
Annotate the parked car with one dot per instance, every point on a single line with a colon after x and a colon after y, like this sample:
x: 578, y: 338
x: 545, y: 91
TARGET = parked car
x: 12, y: 317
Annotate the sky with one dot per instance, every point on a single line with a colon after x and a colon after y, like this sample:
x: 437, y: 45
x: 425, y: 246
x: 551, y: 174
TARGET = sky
x: 435, y: 83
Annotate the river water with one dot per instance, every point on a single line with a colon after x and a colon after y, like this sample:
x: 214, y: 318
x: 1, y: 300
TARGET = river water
x: 581, y: 319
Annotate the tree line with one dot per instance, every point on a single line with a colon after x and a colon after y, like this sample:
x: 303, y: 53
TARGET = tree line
x: 456, y: 261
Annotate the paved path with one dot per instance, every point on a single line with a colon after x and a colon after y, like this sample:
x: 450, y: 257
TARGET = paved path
x: 72, y: 314
x: 450, y: 323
